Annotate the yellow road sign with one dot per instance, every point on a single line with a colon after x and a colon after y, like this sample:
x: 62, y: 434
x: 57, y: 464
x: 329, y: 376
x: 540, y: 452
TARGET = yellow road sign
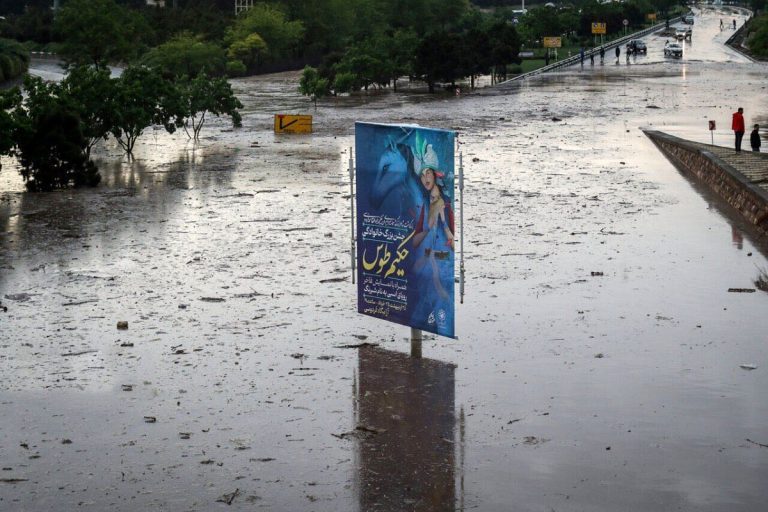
x: 288, y: 123
x: 598, y: 28
x: 553, y: 42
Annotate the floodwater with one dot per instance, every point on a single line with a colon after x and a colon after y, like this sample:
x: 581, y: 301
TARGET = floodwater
x: 567, y: 390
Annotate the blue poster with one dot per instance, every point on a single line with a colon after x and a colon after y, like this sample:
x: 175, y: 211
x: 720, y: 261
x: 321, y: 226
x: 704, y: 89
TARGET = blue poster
x: 405, y: 225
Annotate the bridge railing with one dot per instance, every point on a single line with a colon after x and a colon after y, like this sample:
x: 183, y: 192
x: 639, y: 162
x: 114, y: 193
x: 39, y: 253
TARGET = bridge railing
x: 573, y: 59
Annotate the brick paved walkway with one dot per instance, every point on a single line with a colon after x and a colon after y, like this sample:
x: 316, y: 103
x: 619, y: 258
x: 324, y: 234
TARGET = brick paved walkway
x: 754, y: 166
x: 741, y: 179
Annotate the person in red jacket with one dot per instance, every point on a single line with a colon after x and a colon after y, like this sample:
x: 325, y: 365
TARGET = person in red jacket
x: 738, y: 127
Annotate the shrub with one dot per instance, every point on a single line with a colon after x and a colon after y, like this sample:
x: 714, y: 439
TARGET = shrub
x: 52, y: 152
x: 235, y: 68
x: 344, y: 82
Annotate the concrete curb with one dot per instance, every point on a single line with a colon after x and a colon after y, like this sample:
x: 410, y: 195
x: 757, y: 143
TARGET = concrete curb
x: 730, y: 41
x: 723, y: 178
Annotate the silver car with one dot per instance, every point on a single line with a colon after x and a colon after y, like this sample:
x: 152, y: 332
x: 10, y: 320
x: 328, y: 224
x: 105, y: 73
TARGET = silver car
x: 674, y: 50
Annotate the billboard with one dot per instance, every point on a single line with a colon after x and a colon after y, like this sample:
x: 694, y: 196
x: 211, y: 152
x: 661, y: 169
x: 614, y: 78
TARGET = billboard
x: 598, y: 28
x: 553, y: 42
x: 405, y: 225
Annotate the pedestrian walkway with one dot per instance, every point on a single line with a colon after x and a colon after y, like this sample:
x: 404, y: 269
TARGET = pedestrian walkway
x: 754, y: 166
x: 740, y: 178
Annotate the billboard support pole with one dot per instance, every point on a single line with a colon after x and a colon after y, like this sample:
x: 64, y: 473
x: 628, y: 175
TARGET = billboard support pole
x: 461, y: 228
x: 352, y: 203
x: 416, y: 343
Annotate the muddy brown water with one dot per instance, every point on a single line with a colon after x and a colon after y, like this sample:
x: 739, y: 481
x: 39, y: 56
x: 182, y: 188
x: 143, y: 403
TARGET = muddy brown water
x: 565, y: 391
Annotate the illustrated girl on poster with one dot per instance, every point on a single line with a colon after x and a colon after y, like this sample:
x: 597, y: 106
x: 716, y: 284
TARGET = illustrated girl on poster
x: 433, y: 241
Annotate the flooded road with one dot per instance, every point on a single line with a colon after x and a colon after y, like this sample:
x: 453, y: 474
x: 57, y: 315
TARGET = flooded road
x: 599, y: 360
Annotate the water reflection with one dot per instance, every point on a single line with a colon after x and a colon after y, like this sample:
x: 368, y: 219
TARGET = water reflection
x: 407, y: 459
x: 737, y: 238
x: 135, y: 204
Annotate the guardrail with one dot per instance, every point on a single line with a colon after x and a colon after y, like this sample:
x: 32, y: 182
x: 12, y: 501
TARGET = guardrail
x: 573, y: 59
x: 44, y: 55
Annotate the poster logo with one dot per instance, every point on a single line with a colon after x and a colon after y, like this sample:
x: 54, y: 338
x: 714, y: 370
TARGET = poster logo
x: 405, y: 225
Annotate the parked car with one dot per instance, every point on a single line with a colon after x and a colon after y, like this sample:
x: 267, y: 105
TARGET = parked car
x: 674, y: 50
x: 688, y: 18
x: 637, y: 46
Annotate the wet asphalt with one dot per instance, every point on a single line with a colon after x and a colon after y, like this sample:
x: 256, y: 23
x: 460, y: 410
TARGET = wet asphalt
x: 602, y: 364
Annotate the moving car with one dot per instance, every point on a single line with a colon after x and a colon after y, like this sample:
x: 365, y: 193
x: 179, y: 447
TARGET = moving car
x: 674, y: 50
x: 680, y: 34
x: 688, y: 18
x: 637, y: 46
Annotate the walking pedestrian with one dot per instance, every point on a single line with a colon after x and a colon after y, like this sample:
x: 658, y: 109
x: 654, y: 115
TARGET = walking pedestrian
x: 737, y: 125
x: 721, y: 24
x: 592, y: 57
x: 754, y: 138
x: 602, y: 55
x: 618, y: 54
x: 581, y: 55
x: 734, y: 23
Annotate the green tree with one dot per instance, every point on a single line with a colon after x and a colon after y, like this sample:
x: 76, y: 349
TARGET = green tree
x: 205, y: 95
x: 34, y: 23
x: 201, y: 17
x: 98, y: 32
x: 187, y: 54
x: 9, y: 102
x: 14, y: 59
x: 367, y: 62
x: 448, y: 13
x: 344, y: 82
x: 269, y: 22
x: 400, y: 55
x: 757, y: 41
x: 476, y: 53
x: 438, y: 58
x: 505, y: 47
x: 88, y: 90
x: 144, y: 98
x: 328, y: 23
x: 540, y: 22
x: 49, y: 143
x: 251, y: 50
x: 312, y: 84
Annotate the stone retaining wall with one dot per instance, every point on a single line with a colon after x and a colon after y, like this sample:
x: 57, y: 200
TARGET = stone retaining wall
x: 722, y: 178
